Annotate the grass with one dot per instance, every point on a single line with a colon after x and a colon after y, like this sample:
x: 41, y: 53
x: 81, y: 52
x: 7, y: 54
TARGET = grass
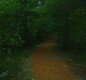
x: 12, y: 65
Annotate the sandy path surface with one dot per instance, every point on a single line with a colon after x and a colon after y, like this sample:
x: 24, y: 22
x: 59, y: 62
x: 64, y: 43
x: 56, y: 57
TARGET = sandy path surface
x: 46, y: 66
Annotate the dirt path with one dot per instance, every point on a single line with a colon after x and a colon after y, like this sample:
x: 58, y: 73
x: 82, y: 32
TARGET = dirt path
x: 46, y: 66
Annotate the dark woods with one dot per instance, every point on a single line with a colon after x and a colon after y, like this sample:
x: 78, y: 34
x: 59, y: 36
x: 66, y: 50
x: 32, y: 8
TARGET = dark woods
x: 27, y: 22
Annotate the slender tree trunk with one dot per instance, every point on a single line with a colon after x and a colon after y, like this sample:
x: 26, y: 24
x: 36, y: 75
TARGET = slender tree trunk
x: 24, y: 19
x: 66, y: 31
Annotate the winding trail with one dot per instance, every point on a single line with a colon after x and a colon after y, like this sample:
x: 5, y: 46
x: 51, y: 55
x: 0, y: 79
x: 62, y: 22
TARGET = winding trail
x: 45, y: 65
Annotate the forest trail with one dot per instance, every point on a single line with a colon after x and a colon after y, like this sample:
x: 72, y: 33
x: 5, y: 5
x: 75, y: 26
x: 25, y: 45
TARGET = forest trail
x: 46, y: 66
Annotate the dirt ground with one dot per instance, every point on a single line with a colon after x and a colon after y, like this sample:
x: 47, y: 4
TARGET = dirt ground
x: 45, y: 65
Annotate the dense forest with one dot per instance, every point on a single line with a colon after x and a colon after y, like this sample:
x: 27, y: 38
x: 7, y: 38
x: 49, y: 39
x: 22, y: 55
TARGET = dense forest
x: 25, y: 23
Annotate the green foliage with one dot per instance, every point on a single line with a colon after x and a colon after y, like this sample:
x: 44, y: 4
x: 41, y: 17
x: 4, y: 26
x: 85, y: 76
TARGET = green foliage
x: 9, y: 6
x: 10, y: 31
x: 12, y: 24
x: 77, y: 27
x: 12, y: 66
x: 27, y: 22
x: 35, y: 20
x: 70, y: 23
